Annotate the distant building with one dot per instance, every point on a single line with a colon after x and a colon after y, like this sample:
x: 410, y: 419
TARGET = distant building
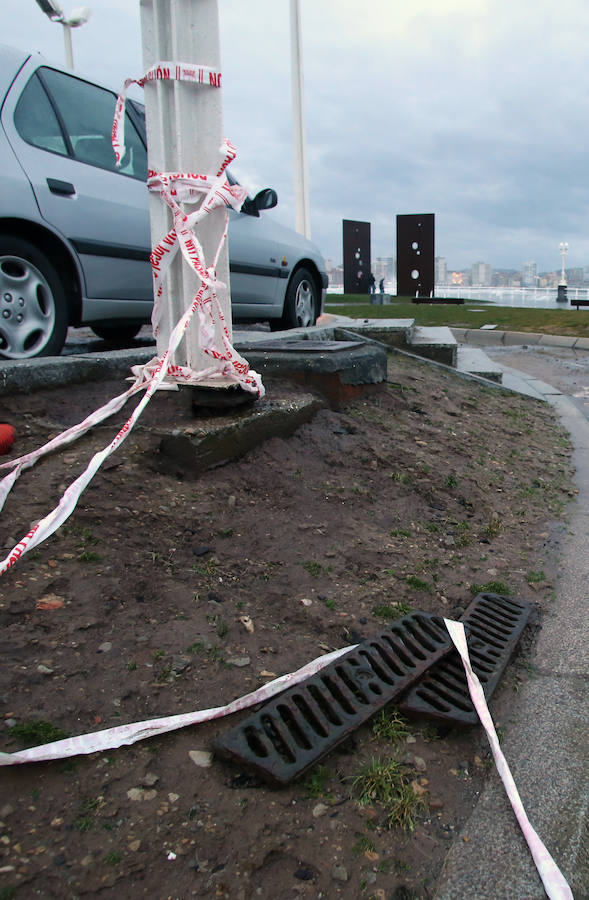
x: 481, y: 274
x: 440, y: 270
x: 529, y: 274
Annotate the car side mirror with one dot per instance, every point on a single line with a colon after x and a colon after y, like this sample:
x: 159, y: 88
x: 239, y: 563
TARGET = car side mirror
x: 266, y: 199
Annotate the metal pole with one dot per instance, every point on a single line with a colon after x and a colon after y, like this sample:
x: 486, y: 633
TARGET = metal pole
x: 67, y: 42
x: 301, y: 193
x: 184, y: 133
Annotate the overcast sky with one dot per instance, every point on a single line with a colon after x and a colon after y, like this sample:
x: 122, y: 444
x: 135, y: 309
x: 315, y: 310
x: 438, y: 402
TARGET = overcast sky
x: 475, y: 110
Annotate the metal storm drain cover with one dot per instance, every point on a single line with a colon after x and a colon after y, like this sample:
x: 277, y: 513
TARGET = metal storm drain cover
x: 494, y: 625
x: 291, y: 732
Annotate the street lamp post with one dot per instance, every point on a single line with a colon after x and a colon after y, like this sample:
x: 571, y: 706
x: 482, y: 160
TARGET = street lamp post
x: 77, y: 17
x: 562, y: 284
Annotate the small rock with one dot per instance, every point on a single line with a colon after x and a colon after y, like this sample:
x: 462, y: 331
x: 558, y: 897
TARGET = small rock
x: 410, y: 739
x: 247, y: 623
x: 479, y: 763
x: 173, y: 797
x: 239, y: 661
x: 201, y: 758
x: 419, y: 763
x: 436, y: 804
x: 87, y: 861
x: 372, y: 856
x: 306, y: 601
x: 319, y: 810
x: 231, y: 501
x: 134, y: 846
x: 340, y: 873
x: 6, y: 810
x: 104, y: 648
x: 44, y: 670
x: 5, y: 840
x: 201, y: 551
x: 149, y: 779
x: 418, y: 789
x: 139, y: 794
x: 50, y: 601
x: 180, y: 664
x: 265, y: 673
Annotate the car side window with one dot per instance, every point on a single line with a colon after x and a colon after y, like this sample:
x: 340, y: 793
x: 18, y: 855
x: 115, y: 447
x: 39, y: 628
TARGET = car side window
x: 36, y: 121
x: 86, y: 112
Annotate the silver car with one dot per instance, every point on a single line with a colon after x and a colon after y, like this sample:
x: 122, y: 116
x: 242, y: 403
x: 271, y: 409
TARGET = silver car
x: 74, y: 230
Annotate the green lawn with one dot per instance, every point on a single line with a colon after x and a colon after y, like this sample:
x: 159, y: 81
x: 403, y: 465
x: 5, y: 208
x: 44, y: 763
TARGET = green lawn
x: 471, y: 315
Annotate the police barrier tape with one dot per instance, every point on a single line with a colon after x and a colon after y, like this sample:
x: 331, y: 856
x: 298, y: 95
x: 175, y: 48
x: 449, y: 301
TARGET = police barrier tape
x: 124, y: 735
x: 226, y: 364
x: 553, y: 880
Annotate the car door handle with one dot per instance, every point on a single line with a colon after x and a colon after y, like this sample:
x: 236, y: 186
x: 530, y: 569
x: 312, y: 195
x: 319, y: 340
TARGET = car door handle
x: 60, y: 187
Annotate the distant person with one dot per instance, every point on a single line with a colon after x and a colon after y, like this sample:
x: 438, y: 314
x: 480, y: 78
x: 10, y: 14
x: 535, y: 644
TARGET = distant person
x: 381, y: 285
x: 372, y: 283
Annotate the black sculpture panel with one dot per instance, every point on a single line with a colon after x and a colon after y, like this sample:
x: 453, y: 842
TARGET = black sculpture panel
x: 415, y: 255
x: 356, y: 257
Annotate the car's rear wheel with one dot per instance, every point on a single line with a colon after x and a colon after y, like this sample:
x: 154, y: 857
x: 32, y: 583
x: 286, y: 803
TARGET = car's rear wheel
x: 118, y: 333
x: 33, y: 306
x: 300, y: 303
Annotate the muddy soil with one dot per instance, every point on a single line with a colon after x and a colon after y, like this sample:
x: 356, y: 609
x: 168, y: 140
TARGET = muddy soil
x: 414, y: 498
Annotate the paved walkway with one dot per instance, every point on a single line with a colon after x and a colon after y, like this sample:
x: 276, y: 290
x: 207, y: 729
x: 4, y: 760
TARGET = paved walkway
x: 547, y: 738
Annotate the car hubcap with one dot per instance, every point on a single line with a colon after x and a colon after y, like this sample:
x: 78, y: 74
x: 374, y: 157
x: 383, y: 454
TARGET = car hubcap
x: 27, y: 308
x: 304, y: 304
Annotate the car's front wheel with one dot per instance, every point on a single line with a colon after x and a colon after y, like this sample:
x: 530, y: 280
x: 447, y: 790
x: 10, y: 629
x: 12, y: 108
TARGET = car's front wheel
x: 33, y: 307
x: 300, y: 303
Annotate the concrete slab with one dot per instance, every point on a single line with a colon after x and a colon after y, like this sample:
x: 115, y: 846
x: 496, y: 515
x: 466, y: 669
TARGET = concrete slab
x: 479, y: 337
x: 518, y: 338
x: 475, y: 361
x: 434, y: 343
x: 557, y: 340
x: 581, y: 344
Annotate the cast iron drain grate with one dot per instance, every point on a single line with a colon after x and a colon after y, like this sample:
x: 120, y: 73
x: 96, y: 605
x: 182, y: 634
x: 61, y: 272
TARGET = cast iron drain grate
x: 290, y: 733
x: 494, y: 625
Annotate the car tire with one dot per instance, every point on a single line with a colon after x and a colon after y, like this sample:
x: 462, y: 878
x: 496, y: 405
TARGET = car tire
x: 300, y: 302
x: 118, y: 333
x: 33, y: 306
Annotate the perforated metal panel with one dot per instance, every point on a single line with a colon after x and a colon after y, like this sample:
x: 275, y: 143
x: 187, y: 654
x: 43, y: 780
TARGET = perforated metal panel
x: 415, y: 255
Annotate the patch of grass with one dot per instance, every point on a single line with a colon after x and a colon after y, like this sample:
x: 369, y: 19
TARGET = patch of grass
x: 417, y: 584
x: 159, y: 654
x: 400, y: 532
x: 222, y: 629
x: 314, y: 568
x: 390, y: 725
x: 89, y: 556
x: 84, y: 823
x: 225, y: 532
x: 329, y: 602
x: 32, y: 733
x: 163, y: 675
x: 432, y: 527
x: 385, y: 611
x: 113, y: 858
x: 386, y: 782
x: 131, y: 665
x: 535, y: 577
x: 491, y: 587
x: 451, y: 481
x: 315, y: 784
x: 363, y: 845
x: 197, y: 647
x: 493, y: 528
x: 8, y: 892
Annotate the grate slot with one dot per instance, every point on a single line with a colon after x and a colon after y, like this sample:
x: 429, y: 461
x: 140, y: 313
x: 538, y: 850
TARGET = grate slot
x: 324, y: 705
x: 494, y: 626
x: 387, y: 658
x: 293, y: 731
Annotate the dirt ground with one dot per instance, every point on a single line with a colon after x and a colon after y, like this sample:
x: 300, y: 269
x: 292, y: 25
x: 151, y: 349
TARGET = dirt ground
x: 410, y: 499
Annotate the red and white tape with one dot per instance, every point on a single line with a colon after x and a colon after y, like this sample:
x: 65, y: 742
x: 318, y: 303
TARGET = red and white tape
x: 123, y: 735
x: 161, y: 71
x: 553, y: 880
x: 226, y: 364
